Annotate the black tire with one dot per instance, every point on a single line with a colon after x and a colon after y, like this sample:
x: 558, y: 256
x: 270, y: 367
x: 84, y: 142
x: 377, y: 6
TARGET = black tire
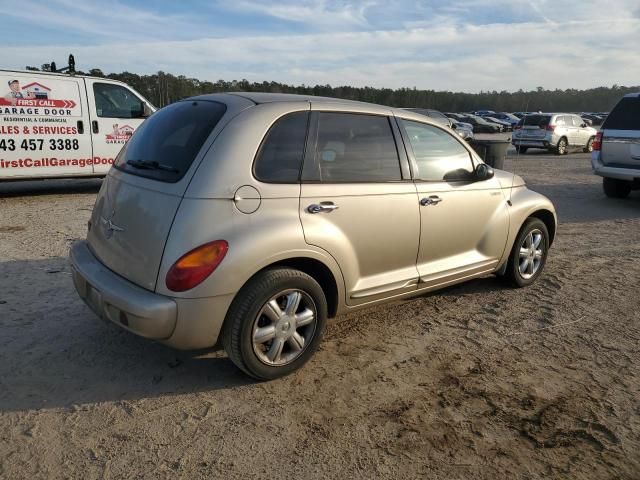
x: 512, y: 275
x: 243, y: 315
x: 562, y: 148
x: 522, y: 150
x: 588, y: 148
x: 614, y: 188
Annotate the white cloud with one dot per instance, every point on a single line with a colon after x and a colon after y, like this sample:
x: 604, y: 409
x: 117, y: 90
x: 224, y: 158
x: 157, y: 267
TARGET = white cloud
x: 451, y: 53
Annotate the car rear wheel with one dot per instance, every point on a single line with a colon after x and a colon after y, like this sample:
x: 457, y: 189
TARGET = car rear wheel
x: 529, y: 254
x: 614, y: 188
x: 275, y: 323
x: 561, y: 148
x: 589, y: 146
x: 522, y: 150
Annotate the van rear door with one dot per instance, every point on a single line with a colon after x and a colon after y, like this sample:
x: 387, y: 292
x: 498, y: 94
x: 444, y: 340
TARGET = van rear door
x: 621, y: 134
x: 116, y: 112
x: 44, y: 126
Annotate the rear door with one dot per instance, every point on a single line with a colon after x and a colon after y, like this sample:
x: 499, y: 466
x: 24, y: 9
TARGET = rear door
x: 358, y: 203
x: 43, y: 127
x: 116, y: 112
x: 621, y: 134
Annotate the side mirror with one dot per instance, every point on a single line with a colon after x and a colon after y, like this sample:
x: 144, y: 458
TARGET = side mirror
x: 483, y: 172
x: 584, y: 125
x: 453, y: 126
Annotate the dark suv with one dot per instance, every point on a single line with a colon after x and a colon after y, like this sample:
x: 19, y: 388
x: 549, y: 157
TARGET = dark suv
x: 616, y: 149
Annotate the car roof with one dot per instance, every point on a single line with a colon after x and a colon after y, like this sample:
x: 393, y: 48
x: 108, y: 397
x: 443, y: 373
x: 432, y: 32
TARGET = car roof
x: 633, y: 95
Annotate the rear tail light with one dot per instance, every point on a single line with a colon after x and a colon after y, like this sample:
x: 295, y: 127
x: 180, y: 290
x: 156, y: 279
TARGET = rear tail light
x: 517, y: 127
x: 549, y: 128
x: 193, y: 267
x: 597, y: 142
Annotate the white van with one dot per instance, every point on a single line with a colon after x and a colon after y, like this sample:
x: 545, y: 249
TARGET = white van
x: 61, y: 125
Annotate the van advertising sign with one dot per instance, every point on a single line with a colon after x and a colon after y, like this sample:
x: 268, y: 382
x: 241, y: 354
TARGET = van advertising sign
x: 55, y: 98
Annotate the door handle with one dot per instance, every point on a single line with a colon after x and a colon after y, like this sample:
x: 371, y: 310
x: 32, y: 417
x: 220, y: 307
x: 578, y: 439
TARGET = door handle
x: 322, y: 207
x: 80, y: 125
x: 431, y: 200
x: 94, y: 126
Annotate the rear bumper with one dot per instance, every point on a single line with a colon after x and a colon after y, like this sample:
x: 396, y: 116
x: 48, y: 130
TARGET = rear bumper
x: 184, y: 323
x: 113, y: 298
x: 618, y: 172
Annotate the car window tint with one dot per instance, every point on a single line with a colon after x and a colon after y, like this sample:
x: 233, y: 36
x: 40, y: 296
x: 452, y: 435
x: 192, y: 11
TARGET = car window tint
x: 355, y: 148
x: 115, y: 101
x: 577, y: 121
x: 537, y: 120
x: 280, y: 156
x: 560, y: 121
x: 169, y: 140
x: 439, y: 155
x: 625, y: 115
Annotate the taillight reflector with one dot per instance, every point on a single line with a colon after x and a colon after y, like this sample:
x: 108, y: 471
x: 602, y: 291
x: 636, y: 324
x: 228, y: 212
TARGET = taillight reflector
x: 550, y: 128
x: 194, y: 266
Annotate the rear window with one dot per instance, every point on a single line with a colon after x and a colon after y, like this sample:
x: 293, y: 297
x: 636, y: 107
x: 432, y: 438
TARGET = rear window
x: 165, y: 145
x: 625, y: 115
x: 537, y: 120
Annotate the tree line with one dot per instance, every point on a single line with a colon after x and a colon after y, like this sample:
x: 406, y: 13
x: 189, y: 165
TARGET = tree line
x: 163, y: 88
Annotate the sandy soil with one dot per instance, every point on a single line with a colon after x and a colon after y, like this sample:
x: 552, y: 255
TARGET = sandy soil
x: 477, y: 381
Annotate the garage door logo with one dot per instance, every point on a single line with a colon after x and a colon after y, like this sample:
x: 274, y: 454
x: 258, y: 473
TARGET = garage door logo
x: 33, y: 94
x: 120, y: 134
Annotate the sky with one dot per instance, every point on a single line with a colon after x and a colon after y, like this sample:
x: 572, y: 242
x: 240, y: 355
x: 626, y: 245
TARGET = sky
x: 458, y: 45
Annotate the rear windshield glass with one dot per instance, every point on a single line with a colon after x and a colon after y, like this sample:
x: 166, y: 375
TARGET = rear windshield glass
x: 537, y: 120
x: 165, y: 145
x: 625, y: 115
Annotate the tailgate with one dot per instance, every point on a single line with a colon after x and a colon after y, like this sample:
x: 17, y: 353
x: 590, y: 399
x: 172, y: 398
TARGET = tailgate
x: 129, y: 229
x: 621, y: 148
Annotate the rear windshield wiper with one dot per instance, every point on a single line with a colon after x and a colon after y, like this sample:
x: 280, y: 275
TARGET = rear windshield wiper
x: 151, y: 165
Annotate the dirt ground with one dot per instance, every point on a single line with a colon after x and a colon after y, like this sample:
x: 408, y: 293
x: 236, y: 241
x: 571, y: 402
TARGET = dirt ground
x: 476, y: 381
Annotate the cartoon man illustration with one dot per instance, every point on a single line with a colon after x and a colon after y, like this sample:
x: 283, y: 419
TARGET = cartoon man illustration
x: 15, y: 93
x: 116, y: 130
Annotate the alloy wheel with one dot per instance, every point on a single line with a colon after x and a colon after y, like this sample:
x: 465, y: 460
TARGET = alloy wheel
x: 531, y: 254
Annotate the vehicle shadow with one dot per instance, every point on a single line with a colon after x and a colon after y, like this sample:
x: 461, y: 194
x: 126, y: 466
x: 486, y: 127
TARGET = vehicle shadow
x: 57, y: 353
x: 19, y: 188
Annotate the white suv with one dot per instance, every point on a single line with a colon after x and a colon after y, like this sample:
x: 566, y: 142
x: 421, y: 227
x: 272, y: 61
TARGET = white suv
x: 558, y: 132
x: 616, y: 150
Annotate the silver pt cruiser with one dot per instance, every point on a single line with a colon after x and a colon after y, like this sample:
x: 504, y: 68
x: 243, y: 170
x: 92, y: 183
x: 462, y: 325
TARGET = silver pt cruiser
x: 248, y: 219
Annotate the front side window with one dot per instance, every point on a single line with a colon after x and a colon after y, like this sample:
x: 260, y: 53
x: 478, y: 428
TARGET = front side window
x: 115, y: 101
x: 280, y: 156
x: 355, y: 148
x: 438, y: 155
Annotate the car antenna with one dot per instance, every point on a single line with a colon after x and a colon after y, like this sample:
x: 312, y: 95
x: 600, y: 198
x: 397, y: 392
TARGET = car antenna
x: 513, y: 179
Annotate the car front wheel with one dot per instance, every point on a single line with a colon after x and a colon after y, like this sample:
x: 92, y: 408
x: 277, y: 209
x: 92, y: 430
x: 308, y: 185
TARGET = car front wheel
x: 529, y: 254
x: 589, y: 146
x: 275, y: 323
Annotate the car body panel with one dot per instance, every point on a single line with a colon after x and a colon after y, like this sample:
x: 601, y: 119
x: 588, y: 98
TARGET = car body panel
x: 380, y: 244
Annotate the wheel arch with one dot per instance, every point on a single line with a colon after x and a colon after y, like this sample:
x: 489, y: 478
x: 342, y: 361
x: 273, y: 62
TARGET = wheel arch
x: 549, y: 220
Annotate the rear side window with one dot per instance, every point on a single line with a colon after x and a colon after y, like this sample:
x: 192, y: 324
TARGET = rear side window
x: 355, y: 148
x: 439, y: 155
x: 279, y: 158
x: 625, y: 115
x: 165, y: 145
x: 537, y: 120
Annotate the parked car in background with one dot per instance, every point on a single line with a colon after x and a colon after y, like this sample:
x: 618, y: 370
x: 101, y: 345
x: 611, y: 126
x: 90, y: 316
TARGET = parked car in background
x: 506, y: 117
x: 465, y: 130
x: 616, y: 149
x: 252, y: 218
x: 437, y: 116
x: 595, y: 119
x: 558, y: 132
x: 480, y: 125
x: 482, y: 113
x: 506, y: 126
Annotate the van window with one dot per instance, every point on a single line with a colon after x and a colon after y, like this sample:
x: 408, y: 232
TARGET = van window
x: 165, y: 145
x: 115, y: 101
x: 625, y: 115
x: 354, y: 148
x: 439, y: 155
x: 280, y: 156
